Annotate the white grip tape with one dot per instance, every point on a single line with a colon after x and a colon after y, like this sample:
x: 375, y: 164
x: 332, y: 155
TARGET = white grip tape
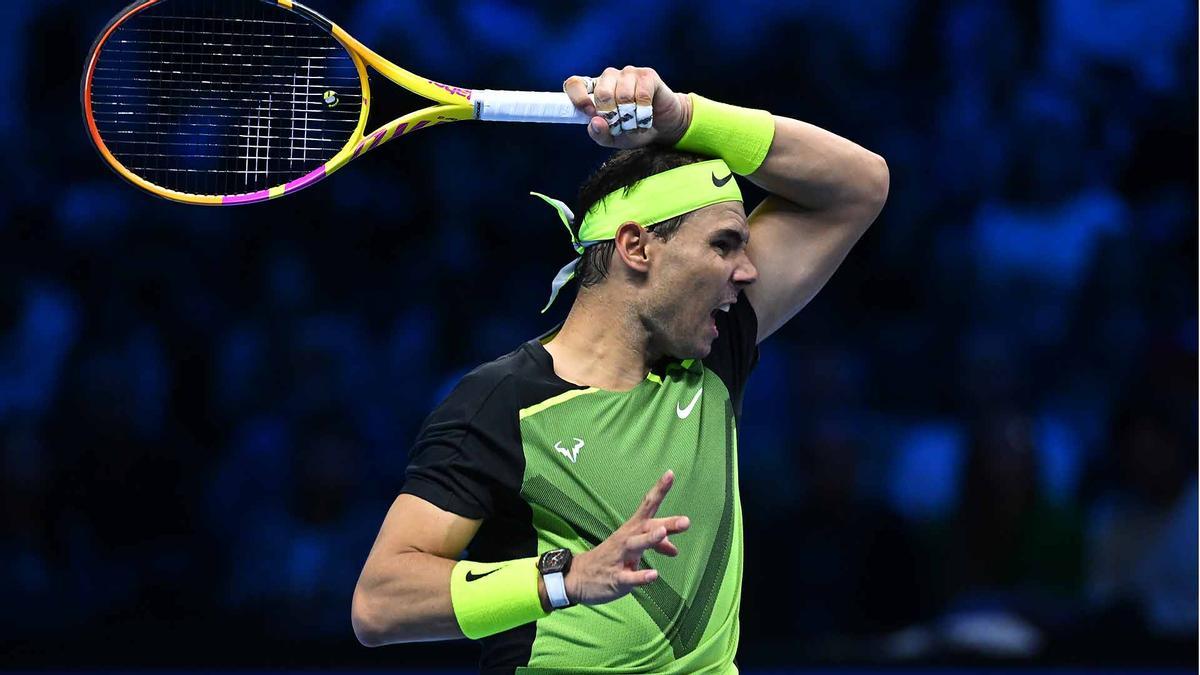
x: 494, y: 105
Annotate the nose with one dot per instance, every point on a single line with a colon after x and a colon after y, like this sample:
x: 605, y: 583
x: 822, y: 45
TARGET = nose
x: 745, y: 273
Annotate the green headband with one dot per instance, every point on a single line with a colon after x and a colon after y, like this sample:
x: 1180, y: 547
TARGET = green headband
x: 648, y: 202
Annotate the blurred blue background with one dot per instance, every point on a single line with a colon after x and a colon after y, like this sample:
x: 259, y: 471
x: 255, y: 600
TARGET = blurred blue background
x: 976, y: 446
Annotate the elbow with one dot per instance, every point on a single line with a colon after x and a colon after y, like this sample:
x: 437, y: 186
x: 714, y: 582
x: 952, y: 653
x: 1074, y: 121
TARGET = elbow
x: 365, y: 628
x: 873, y: 189
x: 878, y: 182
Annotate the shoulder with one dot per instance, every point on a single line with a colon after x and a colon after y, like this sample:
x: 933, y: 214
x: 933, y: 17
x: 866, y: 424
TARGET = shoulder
x: 467, y: 458
x: 515, y: 380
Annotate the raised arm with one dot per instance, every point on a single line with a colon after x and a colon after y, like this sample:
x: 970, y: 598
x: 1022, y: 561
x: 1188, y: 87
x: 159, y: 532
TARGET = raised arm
x: 825, y: 190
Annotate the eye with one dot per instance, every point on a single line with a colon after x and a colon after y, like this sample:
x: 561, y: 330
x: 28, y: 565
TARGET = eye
x: 723, y: 246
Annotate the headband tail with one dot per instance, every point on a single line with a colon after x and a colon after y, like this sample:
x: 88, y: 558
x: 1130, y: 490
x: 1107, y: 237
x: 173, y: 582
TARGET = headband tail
x: 564, y: 275
x: 564, y: 214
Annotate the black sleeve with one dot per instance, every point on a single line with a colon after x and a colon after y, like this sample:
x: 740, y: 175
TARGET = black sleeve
x: 735, y: 351
x: 468, y: 452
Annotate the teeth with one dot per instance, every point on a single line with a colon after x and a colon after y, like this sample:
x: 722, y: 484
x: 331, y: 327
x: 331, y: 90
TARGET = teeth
x: 724, y: 307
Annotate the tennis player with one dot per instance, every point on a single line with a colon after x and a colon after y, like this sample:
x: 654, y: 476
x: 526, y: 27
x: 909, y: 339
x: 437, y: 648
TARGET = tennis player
x: 574, y: 505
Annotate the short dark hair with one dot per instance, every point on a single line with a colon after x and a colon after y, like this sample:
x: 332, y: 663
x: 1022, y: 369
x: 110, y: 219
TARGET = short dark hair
x: 623, y: 170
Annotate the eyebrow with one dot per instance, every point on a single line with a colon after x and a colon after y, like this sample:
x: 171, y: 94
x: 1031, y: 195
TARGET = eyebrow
x: 742, y: 236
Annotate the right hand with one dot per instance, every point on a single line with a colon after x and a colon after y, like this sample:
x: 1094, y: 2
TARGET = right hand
x: 623, y: 90
x: 610, y: 570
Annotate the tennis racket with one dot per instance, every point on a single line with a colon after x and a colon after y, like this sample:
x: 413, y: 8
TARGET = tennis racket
x: 236, y: 101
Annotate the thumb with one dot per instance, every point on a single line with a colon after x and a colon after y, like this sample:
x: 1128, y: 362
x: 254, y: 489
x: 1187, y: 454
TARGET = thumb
x: 598, y: 131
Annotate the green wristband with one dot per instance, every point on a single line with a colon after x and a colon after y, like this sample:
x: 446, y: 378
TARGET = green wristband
x: 740, y: 136
x: 490, y: 598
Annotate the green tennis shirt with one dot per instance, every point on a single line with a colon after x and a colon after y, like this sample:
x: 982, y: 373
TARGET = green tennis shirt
x: 549, y: 464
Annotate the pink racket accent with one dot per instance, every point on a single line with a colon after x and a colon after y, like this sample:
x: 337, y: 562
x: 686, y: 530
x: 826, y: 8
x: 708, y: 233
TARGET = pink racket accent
x: 246, y: 198
x: 305, y: 180
x: 263, y: 195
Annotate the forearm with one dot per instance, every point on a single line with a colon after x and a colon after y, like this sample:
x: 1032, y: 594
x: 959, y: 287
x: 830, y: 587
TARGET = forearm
x: 810, y: 167
x: 404, y: 597
x: 818, y: 170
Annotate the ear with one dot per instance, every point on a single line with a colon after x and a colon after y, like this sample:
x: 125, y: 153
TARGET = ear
x: 631, y: 241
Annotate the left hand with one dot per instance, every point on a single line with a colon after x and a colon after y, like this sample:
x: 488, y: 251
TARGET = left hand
x: 618, y: 94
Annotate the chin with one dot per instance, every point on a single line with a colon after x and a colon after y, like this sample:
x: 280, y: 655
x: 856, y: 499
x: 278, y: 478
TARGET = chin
x: 697, y: 351
x: 693, y: 351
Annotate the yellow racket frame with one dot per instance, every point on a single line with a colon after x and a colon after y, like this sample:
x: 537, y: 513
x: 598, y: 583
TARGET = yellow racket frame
x: 454, y: 104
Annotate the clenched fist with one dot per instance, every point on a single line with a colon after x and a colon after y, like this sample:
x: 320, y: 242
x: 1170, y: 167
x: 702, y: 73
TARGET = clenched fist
x: 632, y: 108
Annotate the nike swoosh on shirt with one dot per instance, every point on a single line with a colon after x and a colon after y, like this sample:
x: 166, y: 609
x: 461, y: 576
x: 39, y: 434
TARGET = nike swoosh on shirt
x: 684, y: 412
x: 473, y: 577
x: 720, y: 182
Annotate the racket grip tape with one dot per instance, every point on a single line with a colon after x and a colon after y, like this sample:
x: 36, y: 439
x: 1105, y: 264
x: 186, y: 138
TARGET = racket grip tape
x: 494, y: 105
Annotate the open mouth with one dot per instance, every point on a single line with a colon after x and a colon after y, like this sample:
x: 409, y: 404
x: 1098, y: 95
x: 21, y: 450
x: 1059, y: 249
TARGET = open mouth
x: 720, y: 308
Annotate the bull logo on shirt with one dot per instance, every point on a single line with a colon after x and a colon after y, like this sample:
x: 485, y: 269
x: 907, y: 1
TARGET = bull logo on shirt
x: 571, y: 454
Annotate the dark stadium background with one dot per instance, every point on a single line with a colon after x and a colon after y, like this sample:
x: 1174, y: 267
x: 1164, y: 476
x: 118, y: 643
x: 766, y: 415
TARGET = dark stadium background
x: 976, y: 447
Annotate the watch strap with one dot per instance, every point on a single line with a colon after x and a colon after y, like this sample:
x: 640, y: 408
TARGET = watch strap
x: 556, y: 589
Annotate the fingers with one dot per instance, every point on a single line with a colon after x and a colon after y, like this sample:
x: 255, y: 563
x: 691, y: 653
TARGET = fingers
x: 624, y: 100
x: 638, y: 543
x: 647, y: 83
x: 666, y: 547
x: 621, y: 556
x: 625, y: 92
x: 654, y: 498
x: 606, y: 97
x: 636, y: 577
x: 576, y: 88
x: 673, y: 524
x: 655, y: 537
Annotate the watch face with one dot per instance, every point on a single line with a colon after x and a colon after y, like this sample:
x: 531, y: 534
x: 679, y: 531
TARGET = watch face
x: 554, y: 561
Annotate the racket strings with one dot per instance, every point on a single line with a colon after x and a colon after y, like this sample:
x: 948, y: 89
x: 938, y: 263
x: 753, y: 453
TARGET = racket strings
x: 223, y: 97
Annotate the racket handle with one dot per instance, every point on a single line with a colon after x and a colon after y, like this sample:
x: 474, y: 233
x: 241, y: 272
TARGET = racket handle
x: 493, y: 105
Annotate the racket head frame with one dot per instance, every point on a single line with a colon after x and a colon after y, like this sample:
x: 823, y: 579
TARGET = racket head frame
x: 452, y: 104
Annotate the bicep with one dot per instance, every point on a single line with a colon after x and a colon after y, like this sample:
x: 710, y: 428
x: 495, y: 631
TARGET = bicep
x: 414, y: 525
x: 796, y: 251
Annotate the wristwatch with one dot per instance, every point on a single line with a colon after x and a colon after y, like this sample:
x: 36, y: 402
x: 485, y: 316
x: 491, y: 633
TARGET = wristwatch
x: 554, y: 565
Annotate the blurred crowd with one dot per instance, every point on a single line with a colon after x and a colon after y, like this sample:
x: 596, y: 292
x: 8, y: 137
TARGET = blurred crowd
x: 979, y: 441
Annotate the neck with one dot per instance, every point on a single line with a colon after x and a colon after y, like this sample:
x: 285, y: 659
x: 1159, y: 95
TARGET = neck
x: 602, y: 344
